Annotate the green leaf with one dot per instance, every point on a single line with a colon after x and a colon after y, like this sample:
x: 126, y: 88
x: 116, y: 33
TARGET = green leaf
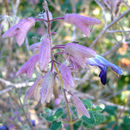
x: 64, y: 116
x: 77, y: 124
x: 126, y: 120
x: 89, y: 122
x: 95, y: 119
x: 47, y: 114
x: 100, y: 118
x: 50, y: 118
x: 85, y: 124
x: 58, y: 113
x: 48, y: 111
x: 87, y: 103
x: 111, y: 109
x: 55, y: 125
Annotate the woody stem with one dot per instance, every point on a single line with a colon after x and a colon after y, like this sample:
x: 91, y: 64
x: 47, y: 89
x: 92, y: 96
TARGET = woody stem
x: 59, y: 75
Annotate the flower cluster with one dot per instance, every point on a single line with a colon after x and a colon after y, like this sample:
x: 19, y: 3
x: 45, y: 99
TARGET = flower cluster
x: 78, y: 56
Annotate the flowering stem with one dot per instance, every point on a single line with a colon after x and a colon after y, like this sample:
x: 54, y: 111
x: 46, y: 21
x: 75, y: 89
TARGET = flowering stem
x: 67, y: 105
x: 52, y: 57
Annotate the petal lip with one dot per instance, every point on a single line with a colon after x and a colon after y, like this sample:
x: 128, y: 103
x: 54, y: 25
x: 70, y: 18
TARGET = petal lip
x: 114, y: 67
x: 102, y: 63
x: 103, y: 75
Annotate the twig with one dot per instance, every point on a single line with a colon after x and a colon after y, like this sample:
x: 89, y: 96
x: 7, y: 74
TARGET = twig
x: 12, y: 85
x: 58, y: 9
x: 107, y: 27
x: 103, y: 11
x: 82, y: 95
x: 20, y: 85
x: 9, y: 68
x: 116, y: 31
x: 115, y: 47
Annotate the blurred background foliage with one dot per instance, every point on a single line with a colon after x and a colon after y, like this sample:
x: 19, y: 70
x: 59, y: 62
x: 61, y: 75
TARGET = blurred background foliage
x: 113, y: 98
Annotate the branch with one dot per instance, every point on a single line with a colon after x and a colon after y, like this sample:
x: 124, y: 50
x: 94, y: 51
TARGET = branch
x: 107, y: 27
x: 103, y: 11
x: 82, y: 95
x: 118, y: 31
x: 11, y: 85
x: 114, y: 48
x: 20, y: 85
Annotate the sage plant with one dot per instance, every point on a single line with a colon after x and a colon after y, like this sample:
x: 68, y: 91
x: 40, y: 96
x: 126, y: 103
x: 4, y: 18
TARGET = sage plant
x: 75, y: 56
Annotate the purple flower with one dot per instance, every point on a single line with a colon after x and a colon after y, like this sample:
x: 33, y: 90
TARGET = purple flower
x: 34, y: 91
x: 47, y: 87
x: 102, y: 63
x: 28, y: 67
x: 81, y: 109
x: 20, y: 30
x: 66, y: 76
x: 44, y: 54
x: 78, y: 54
x: 81, y: 22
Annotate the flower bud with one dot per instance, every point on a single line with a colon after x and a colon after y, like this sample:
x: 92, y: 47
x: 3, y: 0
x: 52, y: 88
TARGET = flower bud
x: 28, y: 67
x: 78, y: 54
x: 34, y: 91
x: 66, y: 76
x: 44, y: 54
x: 47, y: 87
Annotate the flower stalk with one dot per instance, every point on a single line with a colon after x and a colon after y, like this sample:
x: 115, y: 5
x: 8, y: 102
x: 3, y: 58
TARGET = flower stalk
x: 59, y: 75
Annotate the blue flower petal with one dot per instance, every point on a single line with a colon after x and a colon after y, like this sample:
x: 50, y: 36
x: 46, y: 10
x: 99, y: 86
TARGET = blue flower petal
x: 102, y: 63
x: 103, y: 75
